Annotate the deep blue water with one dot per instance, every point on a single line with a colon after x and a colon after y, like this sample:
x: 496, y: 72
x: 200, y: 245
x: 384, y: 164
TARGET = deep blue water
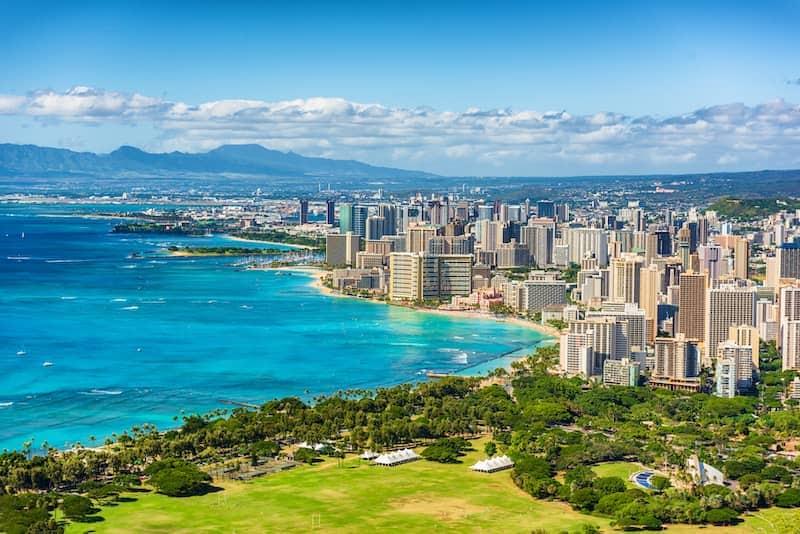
x: 137, y: 340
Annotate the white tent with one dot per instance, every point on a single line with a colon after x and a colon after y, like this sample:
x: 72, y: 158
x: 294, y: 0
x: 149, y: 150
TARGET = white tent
x: 496, y: 463
x: 396, y: 458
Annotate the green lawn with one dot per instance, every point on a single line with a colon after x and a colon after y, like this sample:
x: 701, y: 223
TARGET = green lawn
x: 622, y: 470
x: 420, y: 496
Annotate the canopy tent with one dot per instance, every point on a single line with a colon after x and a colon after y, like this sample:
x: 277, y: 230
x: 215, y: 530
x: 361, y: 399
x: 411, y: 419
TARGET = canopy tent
x: 396, y: 458
x: 496, y: 463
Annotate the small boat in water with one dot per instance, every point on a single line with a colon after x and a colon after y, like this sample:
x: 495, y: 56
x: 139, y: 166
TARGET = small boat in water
x: 21, y: 353
x: 48, y: 364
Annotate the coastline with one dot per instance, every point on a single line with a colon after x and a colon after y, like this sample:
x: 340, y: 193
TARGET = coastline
x: 549, y: 333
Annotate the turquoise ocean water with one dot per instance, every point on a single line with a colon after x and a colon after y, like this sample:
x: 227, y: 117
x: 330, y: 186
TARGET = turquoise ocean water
x: 95, y: 339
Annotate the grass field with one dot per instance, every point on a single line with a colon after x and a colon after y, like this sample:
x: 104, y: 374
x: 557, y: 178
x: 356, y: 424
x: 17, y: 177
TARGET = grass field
x: 420, y: 496
x: 622, y: 470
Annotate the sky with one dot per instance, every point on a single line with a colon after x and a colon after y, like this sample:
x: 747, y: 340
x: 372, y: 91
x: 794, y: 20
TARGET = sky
x: 461, y: 88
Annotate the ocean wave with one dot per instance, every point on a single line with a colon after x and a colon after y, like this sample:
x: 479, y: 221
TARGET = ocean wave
x: 6, y: 404
x: 65, y: 261
x: 130, y: 308
x: 129, y: 266
x: 461, y: 357
x: 458, y: 338
x: 408, y: 344
x: 18, y: 258
x: 119, y: 300
x: 68, y: 298
x: 102, y: 392
x: 448, y: 349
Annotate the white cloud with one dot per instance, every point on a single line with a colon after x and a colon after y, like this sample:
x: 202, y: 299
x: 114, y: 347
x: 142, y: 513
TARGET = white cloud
x: 523, y: 142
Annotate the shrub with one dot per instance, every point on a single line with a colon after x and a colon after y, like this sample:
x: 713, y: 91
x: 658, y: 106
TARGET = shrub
x: 788, y: 499
x: 722, y: 516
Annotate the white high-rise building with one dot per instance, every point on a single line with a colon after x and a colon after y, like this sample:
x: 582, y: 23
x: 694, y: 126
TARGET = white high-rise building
x: 576, y: 354
x: 727, y: 305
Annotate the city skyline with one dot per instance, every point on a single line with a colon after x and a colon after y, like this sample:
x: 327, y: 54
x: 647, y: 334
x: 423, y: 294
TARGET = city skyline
x: 512, y: 90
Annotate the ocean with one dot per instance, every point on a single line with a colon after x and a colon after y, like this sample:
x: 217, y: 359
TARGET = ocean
x: 100, y: 332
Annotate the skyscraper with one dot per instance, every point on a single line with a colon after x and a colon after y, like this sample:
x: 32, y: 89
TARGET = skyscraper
x: 728, y: 305
x: 360, y: 214
x: 649, y: 288
x: 330, y: 212
x: 692, y: 305
x: 345, y: 218
x: 741, y: 258
x: 626, y: 278
x: 546, y: 208
x: 375, y: 227
x: 303, y: 211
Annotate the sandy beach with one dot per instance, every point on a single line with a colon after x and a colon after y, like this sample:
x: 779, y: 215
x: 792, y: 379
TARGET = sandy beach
x: 318, y: 274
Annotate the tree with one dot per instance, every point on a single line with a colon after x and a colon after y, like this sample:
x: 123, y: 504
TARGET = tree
x: 722, y: 516
x: 584, y: 499
x: 178, y: 478
x: 490, y: 448
x: 609, y: 485
x: 580, y: 477
x: 789, y: 498
x: 660, y: 483
x: 77, y: 508
x: 305, y: 455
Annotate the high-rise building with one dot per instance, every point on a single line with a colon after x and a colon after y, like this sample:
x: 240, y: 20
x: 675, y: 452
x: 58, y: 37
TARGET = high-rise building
x: 419, y: 276
x: 734, y: 370
x: 624, y: 372
x: 632, y: 321
x: 486, y: 212
x: 375, y: 227
x: 608, y: 340
x: 741, y: 258
x: 389, y: 214
x: 587, y: 242
x: 539, y: 236
x: 727, y: 305
x: 532, y: 296
x: 512, y: 255
x: 546, y: 208
x: 626, y: 278
x: 341, y: 249
x: 360, y: 215
x: 745, y: 335
x: 692, y: 305
x: 676, y: 357
x: 576, y: 356
x: 789, y: 326
x: 417, y: 237
x: 345, y: 218
x: 710, y: 260
x: 649, y: 289
x: 330, y: 212
x: 303, y: 211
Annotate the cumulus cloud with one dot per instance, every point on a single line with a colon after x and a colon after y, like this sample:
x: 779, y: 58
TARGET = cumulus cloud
x: 469, y: 141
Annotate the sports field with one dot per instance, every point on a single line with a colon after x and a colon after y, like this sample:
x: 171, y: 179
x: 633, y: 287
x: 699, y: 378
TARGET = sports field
x: 354, y: 496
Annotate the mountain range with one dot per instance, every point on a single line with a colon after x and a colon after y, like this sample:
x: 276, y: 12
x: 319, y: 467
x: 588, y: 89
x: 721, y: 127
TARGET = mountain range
x: 239, y: 159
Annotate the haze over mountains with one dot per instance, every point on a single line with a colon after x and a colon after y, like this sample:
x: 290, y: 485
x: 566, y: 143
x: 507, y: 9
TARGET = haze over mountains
x: 241, y: 159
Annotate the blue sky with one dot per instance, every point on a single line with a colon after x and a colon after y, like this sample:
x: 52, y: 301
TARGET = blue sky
x: 514, y: 62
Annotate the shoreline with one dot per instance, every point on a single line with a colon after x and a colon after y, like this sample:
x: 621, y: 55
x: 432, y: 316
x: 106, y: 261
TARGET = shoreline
x: 550, y: 334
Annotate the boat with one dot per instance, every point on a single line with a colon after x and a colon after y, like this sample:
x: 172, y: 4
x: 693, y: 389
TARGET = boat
x: 48, y: 364
x: 21, y: 353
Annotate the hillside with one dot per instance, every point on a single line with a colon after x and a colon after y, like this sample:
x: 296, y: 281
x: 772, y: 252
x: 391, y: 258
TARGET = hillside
x: 239, y: 159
